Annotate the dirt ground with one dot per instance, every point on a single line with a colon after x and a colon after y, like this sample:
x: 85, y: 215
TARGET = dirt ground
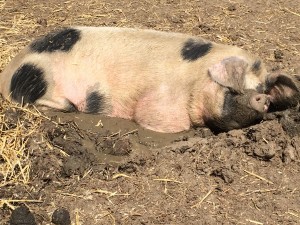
x: 111, y: 171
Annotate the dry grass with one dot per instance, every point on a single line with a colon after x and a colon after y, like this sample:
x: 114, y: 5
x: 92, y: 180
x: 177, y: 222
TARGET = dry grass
x: 10, y: 30
x: 15, y: 135
x: 18, y: 127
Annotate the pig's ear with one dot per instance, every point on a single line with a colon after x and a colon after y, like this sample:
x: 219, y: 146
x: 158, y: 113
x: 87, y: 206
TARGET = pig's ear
x: 284, y: 90
x: 230, y: 72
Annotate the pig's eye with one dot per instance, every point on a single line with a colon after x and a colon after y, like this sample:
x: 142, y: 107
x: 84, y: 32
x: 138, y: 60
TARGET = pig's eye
x: 233, y: 91
x: 260, y: 88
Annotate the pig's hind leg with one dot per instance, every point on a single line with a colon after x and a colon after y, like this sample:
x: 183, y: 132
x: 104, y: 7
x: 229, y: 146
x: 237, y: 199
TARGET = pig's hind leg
x: 92, y: 102
x: 61, y: 104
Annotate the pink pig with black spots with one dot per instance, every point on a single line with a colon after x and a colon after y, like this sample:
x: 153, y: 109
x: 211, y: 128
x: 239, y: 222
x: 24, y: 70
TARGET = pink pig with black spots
x: 166, y: 82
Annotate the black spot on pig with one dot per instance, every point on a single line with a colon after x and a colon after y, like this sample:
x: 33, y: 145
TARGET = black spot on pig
x: 62, y: 40
x: 193, y: 49
x: 94, y: 102
x: 256, y: 66
x: 28, y: 84
x: 237, y: 113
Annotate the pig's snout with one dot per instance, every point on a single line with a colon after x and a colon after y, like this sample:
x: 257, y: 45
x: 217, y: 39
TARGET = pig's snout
x: 260, y: 102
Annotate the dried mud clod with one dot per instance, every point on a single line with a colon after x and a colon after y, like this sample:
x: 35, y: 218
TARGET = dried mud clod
x: 290, y: 122
x: 66, y: 136
x: 225, y: 174
x: 278, y: 55
x: 232, y: 7
x: 22, y: 216
x: 266, y: 143
x: 68, y: 139
x: 11, y: 117
x: 61, y: 216
x: 84, y: 148
x: 132, y: 166
x: 114, y: 145
x: 204, y: 28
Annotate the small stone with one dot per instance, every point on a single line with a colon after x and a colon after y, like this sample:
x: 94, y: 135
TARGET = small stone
x: 205, y: 28
x: 278, y: 54
x: 232, y: 8
x: 42, y: 22
x: 266, y: 152
x: 297, y: 70
x: 288, y: 155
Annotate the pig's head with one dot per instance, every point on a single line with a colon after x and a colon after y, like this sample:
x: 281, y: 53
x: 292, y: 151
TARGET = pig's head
x: 247, y: 93
x: 239, y: 110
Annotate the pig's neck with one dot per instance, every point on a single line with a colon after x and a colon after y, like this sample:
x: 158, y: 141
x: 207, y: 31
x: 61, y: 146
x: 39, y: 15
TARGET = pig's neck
x: 206, y: 101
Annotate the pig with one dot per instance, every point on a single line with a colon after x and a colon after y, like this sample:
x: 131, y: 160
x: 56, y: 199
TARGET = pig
x: 166, y: 82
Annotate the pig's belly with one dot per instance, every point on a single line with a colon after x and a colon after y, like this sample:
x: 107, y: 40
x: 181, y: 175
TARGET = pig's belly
x: 162, y: 109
